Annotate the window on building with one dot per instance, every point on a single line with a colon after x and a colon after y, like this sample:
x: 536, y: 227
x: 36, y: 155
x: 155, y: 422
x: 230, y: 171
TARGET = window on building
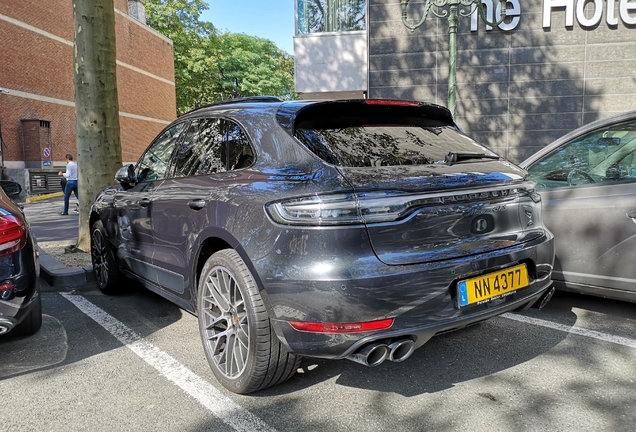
x: 321, y: 16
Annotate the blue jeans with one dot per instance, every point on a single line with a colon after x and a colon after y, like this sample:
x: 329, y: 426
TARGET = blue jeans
x: 71, y: 186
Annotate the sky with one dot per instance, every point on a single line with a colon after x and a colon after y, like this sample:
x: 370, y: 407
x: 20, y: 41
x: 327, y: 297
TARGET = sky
x: 267, y: 19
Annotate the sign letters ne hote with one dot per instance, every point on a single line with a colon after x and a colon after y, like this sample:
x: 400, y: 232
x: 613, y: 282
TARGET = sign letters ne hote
x: 567, y: 8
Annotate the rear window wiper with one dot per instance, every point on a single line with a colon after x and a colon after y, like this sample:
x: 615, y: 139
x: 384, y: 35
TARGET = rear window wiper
x: 453, y: 157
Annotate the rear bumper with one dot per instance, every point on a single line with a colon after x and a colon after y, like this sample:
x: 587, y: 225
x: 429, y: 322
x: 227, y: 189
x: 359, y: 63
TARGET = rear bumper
x: 422, y: 299
x: 21, y: 309
x: 421, y: 335
x: 19, y: 273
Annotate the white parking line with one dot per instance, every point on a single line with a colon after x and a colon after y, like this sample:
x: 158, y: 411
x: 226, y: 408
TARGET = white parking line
x: 574, y: 330
x: 209, y: 396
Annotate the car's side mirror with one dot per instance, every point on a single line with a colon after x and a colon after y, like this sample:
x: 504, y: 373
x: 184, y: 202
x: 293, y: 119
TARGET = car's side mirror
x: 613, y: 172
x: 126, y: 176
x: 11, y: 188
x: 557, y: 175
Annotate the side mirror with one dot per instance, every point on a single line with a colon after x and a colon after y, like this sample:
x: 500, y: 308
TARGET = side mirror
x: 126, y: 176
x: 557, y: 175
x: 11, y: 188
x: 613, y: 172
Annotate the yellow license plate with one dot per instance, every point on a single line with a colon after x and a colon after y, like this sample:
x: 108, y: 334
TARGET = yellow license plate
x: 492, y: 285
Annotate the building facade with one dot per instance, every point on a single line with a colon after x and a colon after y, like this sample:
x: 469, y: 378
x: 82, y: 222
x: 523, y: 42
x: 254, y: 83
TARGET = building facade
x: 550, y: 67
x: 37, y: 109
x: 331, y: 49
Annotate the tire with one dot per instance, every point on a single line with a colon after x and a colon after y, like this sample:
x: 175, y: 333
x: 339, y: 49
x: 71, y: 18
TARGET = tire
x: 31, y: 322
x: 105, y: 268
x: 241, y: 347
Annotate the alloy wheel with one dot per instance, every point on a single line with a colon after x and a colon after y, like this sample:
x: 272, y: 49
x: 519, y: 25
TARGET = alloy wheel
x: 225, y: 322
x: 99, y: 255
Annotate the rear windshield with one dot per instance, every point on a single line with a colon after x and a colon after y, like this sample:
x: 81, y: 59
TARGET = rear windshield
x: 367, y: 145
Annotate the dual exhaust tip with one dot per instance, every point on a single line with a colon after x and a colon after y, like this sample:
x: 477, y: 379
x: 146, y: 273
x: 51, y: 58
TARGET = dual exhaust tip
x: 5, y: 326
x: 376, y: 353
x: 544, y: 299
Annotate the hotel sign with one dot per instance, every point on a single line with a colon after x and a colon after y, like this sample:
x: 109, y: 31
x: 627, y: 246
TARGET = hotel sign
x: 597, y: 6
x: 513, y: 10
x: 571, y: 8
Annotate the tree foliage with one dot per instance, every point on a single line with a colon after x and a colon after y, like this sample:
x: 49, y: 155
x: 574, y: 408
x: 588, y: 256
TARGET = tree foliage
x: 212, y: 66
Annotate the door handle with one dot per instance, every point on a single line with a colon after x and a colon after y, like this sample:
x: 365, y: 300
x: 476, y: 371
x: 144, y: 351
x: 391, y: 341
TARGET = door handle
x: 631, y: 214
x: 196, y: 204
x: 144, y: 202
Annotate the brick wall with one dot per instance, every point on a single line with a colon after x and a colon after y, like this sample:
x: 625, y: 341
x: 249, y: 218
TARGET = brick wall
x: 62, y: 119
x: 137, y: 46
x: 36, y: 55
x: 516, y: 90
x: 54, y: 16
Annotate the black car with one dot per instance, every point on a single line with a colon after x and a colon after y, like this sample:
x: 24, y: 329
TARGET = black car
x: 337, y: 229
x: 587, y: 180
x: 20, y: 301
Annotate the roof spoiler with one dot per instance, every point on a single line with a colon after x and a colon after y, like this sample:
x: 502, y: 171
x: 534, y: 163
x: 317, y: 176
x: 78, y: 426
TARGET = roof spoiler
x: 289, y: 112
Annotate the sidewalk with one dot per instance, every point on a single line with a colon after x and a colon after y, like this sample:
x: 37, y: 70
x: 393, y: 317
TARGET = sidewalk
x: 52, y: 229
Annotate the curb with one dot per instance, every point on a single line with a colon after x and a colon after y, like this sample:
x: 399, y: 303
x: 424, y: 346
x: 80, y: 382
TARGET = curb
x: 59, y: 277
x: 44, y: 197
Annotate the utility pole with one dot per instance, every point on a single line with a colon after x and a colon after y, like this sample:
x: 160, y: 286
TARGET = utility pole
x: 453, y: 20
x: 96, y: 104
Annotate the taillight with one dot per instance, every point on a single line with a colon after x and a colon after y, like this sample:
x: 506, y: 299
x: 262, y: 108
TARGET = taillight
x: 318, y: 327
x: 6, y: 290
x: 341, y: 209
x: 346, y: 209
x: 13, y: 234
x: 382, y: 206
x: 6, y: 286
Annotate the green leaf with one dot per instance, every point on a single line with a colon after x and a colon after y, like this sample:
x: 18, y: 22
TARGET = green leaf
x: 210, y: 66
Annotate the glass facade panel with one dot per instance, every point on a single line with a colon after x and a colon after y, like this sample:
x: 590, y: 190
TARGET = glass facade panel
x: 323, y: 16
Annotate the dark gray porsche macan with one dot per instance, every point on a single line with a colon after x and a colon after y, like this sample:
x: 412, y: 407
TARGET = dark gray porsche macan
x: 337, y: 229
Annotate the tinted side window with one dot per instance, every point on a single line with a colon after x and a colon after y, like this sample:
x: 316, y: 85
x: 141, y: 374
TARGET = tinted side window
x: 202, y: 150
x: 154, y: 163
x: 604, y: 155
x: 239, y: 151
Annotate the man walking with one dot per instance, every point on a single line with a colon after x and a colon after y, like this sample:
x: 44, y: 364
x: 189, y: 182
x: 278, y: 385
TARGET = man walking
x: 71, y: 181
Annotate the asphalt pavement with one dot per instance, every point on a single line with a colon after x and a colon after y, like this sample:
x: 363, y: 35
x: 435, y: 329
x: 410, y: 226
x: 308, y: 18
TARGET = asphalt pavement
x: 47, y: 225
x: 52, y: 229
x: 135, y: 362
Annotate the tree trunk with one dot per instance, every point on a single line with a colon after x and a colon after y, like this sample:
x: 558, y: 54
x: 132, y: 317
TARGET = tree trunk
x: 96, y: 104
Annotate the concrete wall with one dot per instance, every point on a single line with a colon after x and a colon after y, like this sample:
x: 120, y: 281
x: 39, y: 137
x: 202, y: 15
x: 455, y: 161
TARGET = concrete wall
x: 331, y: 63
x: 517, y: 90
x: 36, y: 55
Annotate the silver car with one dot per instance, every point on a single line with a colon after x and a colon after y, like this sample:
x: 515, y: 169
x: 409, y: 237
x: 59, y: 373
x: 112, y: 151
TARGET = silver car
x: 587, y: 180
